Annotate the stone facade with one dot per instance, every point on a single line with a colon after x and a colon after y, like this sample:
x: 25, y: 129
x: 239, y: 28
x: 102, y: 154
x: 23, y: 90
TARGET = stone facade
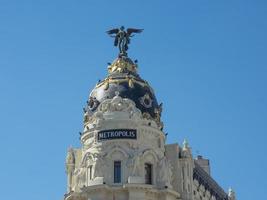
x: 123, y: 154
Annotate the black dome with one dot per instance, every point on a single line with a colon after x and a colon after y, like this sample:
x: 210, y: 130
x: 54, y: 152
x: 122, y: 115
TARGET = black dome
x: 124, y: 81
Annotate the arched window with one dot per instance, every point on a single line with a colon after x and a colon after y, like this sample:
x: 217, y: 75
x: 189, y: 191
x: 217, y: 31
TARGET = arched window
x: 148, y: 173
x: 117, y: 171
x: 90, y: 172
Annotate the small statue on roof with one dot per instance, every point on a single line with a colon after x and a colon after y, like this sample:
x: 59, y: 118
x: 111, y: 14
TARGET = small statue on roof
x: 122, y: 38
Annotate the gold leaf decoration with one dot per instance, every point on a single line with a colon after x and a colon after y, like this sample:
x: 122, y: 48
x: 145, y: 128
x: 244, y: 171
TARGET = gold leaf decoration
x: 131, y: 84
x: 106, y: 86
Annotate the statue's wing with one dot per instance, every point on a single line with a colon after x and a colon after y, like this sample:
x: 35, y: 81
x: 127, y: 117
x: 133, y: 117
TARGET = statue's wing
x: 133, y: 30
x: 113, y: 31
x: 116, y: 41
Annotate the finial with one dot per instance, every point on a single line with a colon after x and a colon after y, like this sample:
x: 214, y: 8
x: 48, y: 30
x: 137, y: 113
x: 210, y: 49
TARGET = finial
x: 185, y: 144
x: 122, y: 38
x: 70, y: 149
x: 231, y: 194
x: 70, y: 159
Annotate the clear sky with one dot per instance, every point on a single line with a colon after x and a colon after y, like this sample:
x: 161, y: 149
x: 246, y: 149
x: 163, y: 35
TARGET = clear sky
x: 205, y: 59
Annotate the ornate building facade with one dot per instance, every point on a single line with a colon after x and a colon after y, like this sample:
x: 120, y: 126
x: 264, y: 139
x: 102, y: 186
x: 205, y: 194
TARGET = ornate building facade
x: 123, y: 154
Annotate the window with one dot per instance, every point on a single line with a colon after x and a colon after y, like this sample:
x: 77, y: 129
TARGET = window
x: 90, y: 172
x: 148, y: 173
x: 117, y: 171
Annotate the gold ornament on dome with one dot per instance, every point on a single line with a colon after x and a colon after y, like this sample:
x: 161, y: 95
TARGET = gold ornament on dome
x: 122, y: 65
x: 106, y: 85
x: 147, y: 116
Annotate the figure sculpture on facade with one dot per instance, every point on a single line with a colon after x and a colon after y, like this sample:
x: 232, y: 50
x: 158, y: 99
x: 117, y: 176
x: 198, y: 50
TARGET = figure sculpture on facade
x: 100, y: 166
x: 70, y: 159
x: 135, y: 163
x: 80, y: 175
x: 122, y: 38
x: 70, y: 166
x: 165, y: 172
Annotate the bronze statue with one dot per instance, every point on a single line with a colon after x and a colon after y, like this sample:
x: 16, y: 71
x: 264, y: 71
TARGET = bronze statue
x: 122, y: 38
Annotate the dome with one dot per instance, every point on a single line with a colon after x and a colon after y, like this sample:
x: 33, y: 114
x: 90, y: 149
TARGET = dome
x: 123, y: 80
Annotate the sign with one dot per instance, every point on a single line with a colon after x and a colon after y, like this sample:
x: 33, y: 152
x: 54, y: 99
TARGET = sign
x: 117, y: 134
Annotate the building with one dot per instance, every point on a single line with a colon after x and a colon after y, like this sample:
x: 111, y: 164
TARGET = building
x: 123, y: 154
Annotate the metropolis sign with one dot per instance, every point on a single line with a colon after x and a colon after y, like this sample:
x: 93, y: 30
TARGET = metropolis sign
x: 117, y: 134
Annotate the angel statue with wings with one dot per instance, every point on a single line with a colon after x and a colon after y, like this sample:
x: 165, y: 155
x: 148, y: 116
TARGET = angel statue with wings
x: 122, y: 37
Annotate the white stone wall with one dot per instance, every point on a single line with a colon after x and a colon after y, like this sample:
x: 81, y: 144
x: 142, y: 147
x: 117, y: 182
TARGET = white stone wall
x: 98, y: 157
x: 90, y: 169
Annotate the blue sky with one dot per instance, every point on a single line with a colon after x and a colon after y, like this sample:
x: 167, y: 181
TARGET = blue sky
x: 205, y: 59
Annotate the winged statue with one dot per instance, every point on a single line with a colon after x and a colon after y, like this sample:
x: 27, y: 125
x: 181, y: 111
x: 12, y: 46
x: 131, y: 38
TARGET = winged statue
x: 123, y: 38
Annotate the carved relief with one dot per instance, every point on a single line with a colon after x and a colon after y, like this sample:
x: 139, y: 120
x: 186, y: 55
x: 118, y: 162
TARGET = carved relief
x: 165, y: 172
x: 113, y: 107
x: 158, y: 112
x: 80, y: 175
x: 100, y: 163
x: 134, y: 163
x: 92, y: 103
x: 100, y: 166
x: 146, y: 101
x: 70, y: 159
x: 118, y: 104
x: 70, y: 166
x: 147, y: 116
